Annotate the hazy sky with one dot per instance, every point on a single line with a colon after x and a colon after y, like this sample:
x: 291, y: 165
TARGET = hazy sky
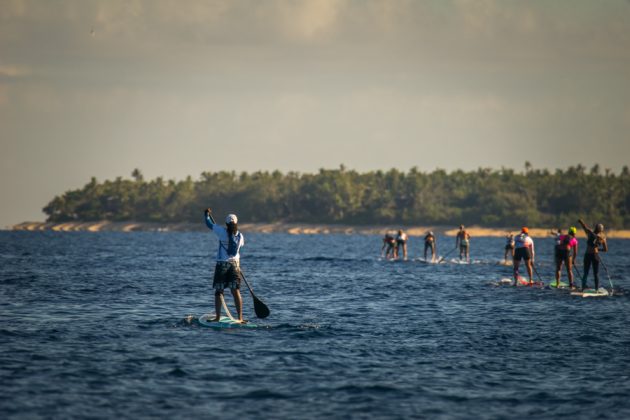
x: 98, y: 88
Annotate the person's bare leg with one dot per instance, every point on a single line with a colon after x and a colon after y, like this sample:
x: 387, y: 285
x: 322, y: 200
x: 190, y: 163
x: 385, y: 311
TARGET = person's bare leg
x: 217, y: 306
x: 238, y: 302
x: 530, y: 271
x: 558, y: 270
x: 516, y: 263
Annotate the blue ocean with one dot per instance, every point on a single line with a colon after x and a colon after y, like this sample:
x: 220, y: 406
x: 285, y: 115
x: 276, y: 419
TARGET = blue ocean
x: 99, y: 325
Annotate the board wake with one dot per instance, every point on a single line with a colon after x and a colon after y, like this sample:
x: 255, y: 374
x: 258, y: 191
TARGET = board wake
x: 561, y: 285
x: 225, y: 322
x: 601, y: 292
x: 521, y: 282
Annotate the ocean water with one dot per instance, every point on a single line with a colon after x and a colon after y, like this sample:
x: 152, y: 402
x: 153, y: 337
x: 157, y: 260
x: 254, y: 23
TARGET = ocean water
x: 94, y: 325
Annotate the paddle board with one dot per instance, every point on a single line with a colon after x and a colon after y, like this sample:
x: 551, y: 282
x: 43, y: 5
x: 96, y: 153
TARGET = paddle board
x: 458, y: 261
x: 522, y: 281
x: 562, y: 285
x: 601, y: 292
x: 505, y: 281
x: 225, y: 322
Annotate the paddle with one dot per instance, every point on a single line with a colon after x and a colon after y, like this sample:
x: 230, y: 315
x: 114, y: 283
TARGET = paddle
x: 446, y: 255
x: 262, y: 311
x: 577, y: 272
x: 601, y: 260
x: 537, y: 275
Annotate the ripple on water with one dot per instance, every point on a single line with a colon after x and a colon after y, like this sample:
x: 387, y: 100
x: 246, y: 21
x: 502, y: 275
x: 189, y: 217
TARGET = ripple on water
x: 107, y: 326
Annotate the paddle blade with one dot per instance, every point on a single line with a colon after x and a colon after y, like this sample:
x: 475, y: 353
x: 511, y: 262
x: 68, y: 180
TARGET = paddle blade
x: 262, y: 311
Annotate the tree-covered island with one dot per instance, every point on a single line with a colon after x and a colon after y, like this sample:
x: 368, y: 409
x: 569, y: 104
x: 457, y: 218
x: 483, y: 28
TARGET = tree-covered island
x: 484, y: 197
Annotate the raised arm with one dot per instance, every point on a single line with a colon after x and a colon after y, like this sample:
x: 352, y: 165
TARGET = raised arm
x: 209, y: 220
x: 585, y: 227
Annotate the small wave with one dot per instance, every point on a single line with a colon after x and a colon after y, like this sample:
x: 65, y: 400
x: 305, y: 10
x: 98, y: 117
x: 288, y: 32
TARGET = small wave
x: 335, y: 259
x: 379, y: 388
x: 588, y: 338
x: 259, y: 394
x: 177, y: 372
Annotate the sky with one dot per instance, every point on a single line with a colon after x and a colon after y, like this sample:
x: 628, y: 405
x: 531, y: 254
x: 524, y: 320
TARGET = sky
x: 175, y: 88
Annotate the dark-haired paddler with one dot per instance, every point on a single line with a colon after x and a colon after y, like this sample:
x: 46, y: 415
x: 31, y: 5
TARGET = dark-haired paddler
x: 430, y: 243
x: 595, y: 242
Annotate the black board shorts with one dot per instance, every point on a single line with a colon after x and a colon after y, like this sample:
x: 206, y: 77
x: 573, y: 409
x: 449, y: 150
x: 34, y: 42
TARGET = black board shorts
x: 226, y: 276
x: 522, y: 254
x: 563, y: 255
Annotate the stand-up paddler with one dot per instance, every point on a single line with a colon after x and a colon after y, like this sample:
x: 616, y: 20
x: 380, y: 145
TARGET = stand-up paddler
x: 595, y: 242
x: 401, y: 242
x: 430, y: 243
x: 566, y: 252
x: 462, y: 240
x: 227, y: 269
x: 389, y: 242
x: 524, y: 250
x: 509, y: 247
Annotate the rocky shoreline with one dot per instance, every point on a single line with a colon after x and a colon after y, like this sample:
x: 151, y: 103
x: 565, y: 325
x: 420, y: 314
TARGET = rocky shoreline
x: 290, y: 228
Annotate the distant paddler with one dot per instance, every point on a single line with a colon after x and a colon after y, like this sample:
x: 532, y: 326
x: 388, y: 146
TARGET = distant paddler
x: 509, y: 247
x: 595, y: 242
x: 227, y: 269
x: 566, y: 252
x: 401, y: 242
x: 523, y: 250
x: 430, y: 243
x: 462, y: 240
x: 389, y: 241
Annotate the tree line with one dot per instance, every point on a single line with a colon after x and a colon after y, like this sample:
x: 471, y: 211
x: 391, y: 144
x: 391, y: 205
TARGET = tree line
x: 484, y: 197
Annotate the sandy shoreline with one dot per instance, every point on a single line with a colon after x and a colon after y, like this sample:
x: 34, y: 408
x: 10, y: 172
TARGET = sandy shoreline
x: 291, y: 228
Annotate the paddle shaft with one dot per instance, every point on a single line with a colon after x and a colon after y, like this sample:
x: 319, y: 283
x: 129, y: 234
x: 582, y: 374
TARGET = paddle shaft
x: 607, y: 274
x: 447, y: 254
x: 536, y: 271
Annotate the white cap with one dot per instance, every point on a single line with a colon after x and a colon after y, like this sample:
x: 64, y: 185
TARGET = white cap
x: 231, y: 218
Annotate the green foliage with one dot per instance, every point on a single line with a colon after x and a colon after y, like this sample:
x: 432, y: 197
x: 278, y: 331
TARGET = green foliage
x: 484, y: 197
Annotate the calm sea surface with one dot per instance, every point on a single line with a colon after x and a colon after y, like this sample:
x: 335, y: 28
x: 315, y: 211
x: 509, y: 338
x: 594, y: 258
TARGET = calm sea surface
x: 93, y: 325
